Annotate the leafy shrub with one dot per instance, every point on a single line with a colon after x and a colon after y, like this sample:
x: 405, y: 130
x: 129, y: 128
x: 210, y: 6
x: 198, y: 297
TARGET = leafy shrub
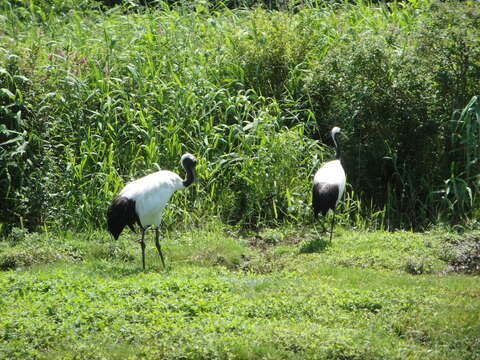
x: 267, y: 50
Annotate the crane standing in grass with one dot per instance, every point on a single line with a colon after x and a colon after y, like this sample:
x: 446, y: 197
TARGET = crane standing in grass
x: 329, y: 183
x: 142, y: 201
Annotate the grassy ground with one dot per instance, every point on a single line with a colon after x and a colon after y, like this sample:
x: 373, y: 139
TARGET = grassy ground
x: 273, y: 294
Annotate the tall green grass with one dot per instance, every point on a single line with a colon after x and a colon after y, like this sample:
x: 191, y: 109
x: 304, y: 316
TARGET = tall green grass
x: 461, y: 188
x: 92, y: 97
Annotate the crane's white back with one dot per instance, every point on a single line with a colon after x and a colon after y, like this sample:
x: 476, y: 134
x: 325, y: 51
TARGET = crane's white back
x: 332, y: 173
x: 151, y: 194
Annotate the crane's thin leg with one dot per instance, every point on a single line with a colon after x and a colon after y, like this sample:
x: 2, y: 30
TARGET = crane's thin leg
x: 333, y: 224
x: 142, y: 245
x: 157, y: 244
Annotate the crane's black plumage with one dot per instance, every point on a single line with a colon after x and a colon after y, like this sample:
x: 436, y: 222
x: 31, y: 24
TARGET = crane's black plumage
x: 189, y: 164
x: 324, y: 198
x: 122, y: 213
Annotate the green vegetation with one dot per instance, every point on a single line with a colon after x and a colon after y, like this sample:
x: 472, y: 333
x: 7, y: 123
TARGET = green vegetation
x: 93, y: 96
x: 231, y: 296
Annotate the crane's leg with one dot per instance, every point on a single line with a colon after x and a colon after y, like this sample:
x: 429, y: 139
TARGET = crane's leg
x: 142, y: 245
x: 333, y: 224
x: 157, y: 244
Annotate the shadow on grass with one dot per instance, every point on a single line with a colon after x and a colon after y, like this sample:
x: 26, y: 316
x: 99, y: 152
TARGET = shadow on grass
x: 314, y: 245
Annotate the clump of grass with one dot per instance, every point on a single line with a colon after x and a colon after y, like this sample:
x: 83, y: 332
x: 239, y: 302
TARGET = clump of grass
x: 399, y: 251
x: 20, y: 257
x: 313, y: 245
x: 206, y: 248
x: 45, y: 248
x: 417, y: 266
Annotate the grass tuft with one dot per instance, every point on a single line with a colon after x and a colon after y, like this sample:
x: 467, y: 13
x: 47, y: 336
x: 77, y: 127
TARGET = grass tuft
x: 313, y: 245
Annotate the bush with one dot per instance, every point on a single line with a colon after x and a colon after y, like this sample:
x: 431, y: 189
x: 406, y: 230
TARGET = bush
x: 23, y: 164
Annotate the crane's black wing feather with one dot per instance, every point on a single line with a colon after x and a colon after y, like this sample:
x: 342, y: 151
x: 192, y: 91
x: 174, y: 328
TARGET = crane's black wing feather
x: 324, y: 197
x: 121, y: 213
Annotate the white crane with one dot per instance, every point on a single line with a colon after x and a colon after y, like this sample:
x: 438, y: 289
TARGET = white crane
x: 142, y: 201
x: 329, y: 183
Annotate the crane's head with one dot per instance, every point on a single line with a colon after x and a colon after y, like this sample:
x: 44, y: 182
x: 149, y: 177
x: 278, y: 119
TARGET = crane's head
x: 188, y: 161
x: 335, y: 131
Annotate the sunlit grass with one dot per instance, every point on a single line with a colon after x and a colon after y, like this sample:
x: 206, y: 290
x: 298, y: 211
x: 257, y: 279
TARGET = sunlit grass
x: 101, y: 304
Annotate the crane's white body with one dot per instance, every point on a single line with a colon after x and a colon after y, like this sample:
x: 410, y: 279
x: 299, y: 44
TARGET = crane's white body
x: 151, y: 194
x: 332, y: 173
x: 329, y: 184
x: 141, y: 202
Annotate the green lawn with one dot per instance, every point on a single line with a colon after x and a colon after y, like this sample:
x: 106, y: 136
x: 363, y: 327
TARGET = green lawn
x: 275, y: 294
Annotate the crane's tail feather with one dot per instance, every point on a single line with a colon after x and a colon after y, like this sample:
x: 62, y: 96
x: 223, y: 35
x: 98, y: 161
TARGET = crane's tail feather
x: 132, y: 228
x: 121, y: 213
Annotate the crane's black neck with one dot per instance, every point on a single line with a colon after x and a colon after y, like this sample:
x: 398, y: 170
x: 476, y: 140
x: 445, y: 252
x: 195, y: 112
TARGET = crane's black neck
x: 337, y: 146
x: 189, y: 168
